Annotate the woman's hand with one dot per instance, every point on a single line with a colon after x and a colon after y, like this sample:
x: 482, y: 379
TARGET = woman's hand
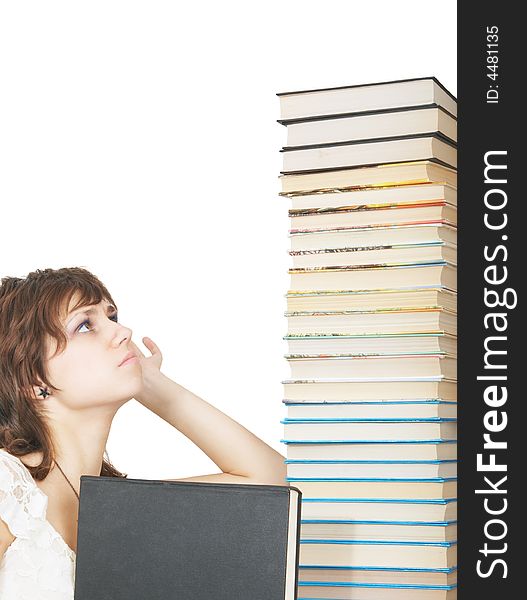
x: 154, y: 360
x: 150, y: 366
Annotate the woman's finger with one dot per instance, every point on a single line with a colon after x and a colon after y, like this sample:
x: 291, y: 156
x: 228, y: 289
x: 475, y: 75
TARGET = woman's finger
x: 151, y: 345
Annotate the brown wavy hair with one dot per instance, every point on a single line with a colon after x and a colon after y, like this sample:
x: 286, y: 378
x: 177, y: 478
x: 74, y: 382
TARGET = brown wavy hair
x: 30, y: 312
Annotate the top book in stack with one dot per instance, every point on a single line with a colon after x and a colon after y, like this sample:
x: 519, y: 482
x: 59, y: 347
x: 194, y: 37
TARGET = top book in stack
x: 357, y: 99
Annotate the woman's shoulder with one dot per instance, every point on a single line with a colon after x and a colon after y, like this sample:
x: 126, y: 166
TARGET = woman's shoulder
x: 21, y: 502
x: 11, y: 464
x: 14, y: 474
x: 15, y: 479
x: 8, y: 463
x: 32, y: 459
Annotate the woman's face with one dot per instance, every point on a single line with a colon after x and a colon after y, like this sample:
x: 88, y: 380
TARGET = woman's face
x: 88, y: 371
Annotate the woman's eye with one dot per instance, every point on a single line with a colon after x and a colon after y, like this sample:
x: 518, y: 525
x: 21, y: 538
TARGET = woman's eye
x: 87, y: 322
x: 79, y: 328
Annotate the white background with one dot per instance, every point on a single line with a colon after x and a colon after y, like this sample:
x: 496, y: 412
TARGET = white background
x: 139, y: 140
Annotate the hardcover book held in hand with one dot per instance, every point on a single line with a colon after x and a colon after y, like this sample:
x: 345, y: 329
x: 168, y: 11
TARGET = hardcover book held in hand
x: 159, y: 540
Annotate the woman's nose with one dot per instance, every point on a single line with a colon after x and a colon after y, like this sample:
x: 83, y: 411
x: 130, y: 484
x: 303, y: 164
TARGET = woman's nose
x: 122, y: 334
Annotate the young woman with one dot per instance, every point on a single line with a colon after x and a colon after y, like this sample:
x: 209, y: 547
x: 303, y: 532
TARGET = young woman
x: 66, y: 366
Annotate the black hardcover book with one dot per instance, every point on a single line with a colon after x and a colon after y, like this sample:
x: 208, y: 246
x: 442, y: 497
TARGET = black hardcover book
x: 162, y: 540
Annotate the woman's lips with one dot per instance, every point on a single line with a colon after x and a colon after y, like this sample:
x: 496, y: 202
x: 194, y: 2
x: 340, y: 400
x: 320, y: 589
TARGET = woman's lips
x: 129, y: 361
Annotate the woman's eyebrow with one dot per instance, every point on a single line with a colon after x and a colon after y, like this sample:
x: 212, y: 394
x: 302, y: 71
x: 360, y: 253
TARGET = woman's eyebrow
x: 90, y: 309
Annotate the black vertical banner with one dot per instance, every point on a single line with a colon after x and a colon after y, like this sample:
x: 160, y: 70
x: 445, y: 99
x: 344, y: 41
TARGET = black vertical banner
x: 491, y: 269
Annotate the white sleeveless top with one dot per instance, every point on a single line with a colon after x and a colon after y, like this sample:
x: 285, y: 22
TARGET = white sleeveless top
x: 38, y: 565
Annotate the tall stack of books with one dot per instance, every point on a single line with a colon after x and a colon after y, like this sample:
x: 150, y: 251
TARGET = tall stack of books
x: 370, y: 430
